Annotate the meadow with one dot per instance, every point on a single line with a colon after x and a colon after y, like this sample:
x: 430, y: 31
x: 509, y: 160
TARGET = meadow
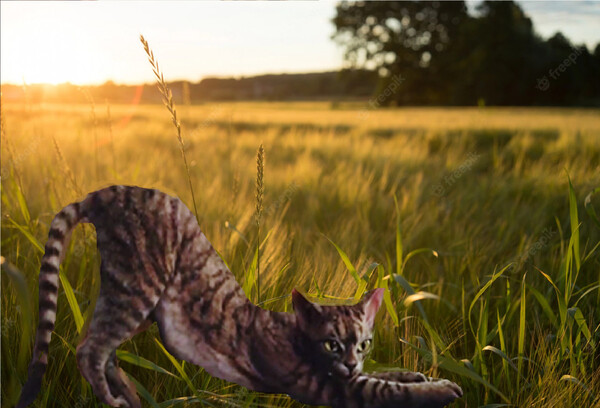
x: 481, y: 222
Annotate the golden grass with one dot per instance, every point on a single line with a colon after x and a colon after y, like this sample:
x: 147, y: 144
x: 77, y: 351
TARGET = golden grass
x: 483, y: 188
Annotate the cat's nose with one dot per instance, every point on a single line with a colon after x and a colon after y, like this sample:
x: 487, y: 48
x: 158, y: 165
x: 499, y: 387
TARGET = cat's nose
x: 351, y: 366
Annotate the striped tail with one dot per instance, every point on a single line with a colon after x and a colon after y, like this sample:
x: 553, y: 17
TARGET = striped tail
x: 58, y: 237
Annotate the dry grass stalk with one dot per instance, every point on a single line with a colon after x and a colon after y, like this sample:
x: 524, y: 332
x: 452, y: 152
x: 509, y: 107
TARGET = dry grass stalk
x: 2, y: 119
x: 67, y: 170
x: 168, y: 102
x: 234, y: 193
x: 12, y: 157
x: 260, y: 190
x: 90, y: 100
x: 112, y: 140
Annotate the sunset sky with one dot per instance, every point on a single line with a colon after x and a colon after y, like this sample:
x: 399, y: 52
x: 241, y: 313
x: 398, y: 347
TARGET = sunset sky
x: 90, y: 42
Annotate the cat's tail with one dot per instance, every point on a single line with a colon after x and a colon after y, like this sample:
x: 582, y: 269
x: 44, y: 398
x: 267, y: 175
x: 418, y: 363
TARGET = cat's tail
x: 58, y: 238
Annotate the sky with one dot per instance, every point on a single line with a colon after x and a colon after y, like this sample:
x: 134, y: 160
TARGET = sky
x: 92, y: 42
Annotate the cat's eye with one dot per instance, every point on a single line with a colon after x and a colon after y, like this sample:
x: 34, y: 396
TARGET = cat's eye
x: 364, y: 346
x: 331, y: 346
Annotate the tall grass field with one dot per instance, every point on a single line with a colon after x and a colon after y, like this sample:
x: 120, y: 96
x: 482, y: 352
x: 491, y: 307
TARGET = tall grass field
x: 482, y: 223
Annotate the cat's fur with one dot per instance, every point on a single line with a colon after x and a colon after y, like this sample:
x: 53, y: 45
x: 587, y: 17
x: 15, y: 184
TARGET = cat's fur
x: 158, y: 266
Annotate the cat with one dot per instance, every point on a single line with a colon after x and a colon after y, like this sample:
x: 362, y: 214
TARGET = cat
x: 157, y: 265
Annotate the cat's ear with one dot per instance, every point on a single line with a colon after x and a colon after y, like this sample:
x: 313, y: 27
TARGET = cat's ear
x: 370, y: 303
x: 305, y: 310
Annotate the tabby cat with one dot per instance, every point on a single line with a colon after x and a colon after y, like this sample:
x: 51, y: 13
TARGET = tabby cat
x: 158, y: 266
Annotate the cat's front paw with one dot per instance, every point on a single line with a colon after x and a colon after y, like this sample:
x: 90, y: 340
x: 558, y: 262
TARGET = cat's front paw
x: 401, y: 376
x: 444, y: 393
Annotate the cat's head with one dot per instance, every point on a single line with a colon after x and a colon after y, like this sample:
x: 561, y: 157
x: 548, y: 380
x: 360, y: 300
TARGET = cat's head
x: 338, y: 338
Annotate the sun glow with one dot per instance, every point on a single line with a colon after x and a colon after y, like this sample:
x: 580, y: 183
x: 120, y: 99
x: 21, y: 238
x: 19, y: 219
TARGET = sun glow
x: 92, y: 42
x: 51, y: 53
x: 56, y: 60
x: 38, y: 48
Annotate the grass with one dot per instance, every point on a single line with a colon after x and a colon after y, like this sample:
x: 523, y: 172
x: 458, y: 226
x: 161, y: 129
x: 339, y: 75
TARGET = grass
x: 480, y: 222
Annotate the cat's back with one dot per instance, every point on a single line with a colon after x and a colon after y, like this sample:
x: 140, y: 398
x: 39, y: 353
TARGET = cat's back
x: 137, y: 207
x: 122, y: 201
x: 139, y: 222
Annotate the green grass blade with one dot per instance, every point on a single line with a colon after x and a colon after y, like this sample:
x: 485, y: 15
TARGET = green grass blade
x: 575, y: 380
x: 185, y: 402
x: 482, y: 334
x: 347, y: 262
x: 36, y: 244
x: 501, y: 354
x: 587, y: 292
x: 408, y: 288
x: 360, y: 282
x: 543, y: 302
x: 481, y: 292
x: 417, y: 252
x: 387, y: 296
x: 178, y: 367
x: 521, y: 337
x: 360, y: 290
x: 502, y: 344
x: 142, y: 362
x: 420, y: 295
x: 399, y: 260
x: 249, y: 282
x: 577, y: 316
x: 72, y: 300
x: 68, y: 345
x: 142, y: 391
x: 22, y: 204
x: 452, y: 366
x: 590, y: 208
x: 562, y: 306
x: 19, y: 284
x: 574, y: 224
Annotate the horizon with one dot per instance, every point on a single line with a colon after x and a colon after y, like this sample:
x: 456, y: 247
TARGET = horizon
x: 152, y: 81
x: 216, y: 48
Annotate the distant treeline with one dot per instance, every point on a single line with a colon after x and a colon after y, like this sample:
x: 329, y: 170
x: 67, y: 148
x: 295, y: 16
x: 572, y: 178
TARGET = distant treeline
x: 343, y: 85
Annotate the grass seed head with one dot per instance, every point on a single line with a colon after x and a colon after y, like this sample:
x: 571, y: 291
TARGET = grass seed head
x: 260, y: 189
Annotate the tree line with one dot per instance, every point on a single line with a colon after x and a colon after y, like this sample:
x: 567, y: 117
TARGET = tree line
x: 445, y: 56
x: 349, y: 84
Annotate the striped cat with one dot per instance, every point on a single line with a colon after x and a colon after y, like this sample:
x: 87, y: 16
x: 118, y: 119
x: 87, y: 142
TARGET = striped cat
x: 158, y: 266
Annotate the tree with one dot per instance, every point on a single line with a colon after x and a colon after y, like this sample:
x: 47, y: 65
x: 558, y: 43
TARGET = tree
x: 505, y: 58
x: 446, y: 56
x: 413, y: 40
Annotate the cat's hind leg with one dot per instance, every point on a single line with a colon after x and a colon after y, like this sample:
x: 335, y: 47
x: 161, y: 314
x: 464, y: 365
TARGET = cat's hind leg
x: 120, y: 310
x: 93, y: 354
x: 119, y: 383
